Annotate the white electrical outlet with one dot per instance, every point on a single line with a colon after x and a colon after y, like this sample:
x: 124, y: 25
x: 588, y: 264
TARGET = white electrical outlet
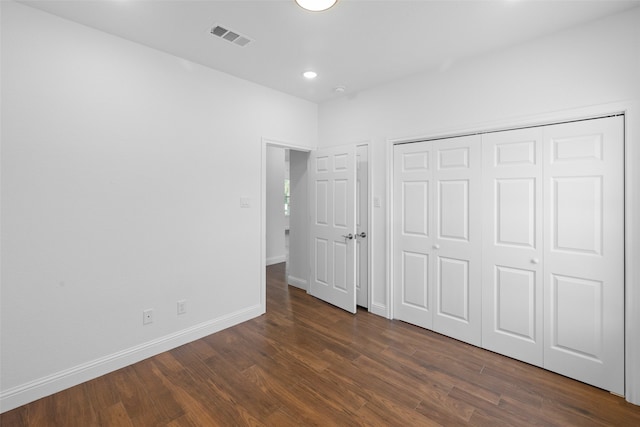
x: 182, y: 306
x: 147, y: 316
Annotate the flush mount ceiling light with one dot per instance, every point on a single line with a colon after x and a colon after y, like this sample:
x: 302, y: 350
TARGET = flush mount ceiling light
x: 310, y: 75
x: 316, y: 5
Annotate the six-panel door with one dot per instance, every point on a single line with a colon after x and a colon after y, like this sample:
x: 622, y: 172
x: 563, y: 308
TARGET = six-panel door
x: 437, y: 236
x: 413, y: 234
x: 333, y: 217
x: 512, y: 244
x: 584, y: 251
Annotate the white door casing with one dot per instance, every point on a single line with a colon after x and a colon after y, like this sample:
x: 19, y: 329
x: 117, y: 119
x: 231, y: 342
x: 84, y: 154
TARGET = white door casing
x: 512, y: 244
x: 362, y: 226
x: 332, y: 174
x: 584, y: 251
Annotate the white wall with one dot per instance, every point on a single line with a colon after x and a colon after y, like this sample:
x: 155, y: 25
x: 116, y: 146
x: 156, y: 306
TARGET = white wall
x: 590, y: 65
x: 275, y: 221
x: 122, y: 173
x: 298, y: 268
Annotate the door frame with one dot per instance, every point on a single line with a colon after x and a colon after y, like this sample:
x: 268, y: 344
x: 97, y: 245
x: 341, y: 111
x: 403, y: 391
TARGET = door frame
x: 268, y: 142
x: 271, y: 142
x: 631, y: 111
x: 370, y: 235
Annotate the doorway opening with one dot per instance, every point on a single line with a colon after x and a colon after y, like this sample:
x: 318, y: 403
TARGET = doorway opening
x: 286, y: 213
x: 286, y: 202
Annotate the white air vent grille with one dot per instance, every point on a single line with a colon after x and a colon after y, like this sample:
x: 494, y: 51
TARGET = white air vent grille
x: 230, y: 36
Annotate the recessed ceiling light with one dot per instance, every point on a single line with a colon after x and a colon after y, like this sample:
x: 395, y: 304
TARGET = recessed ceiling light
x: 316, y: 5
x: 310, y: 75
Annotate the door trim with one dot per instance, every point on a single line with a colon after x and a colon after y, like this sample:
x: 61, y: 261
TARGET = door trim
x: 370, y: 234
x: 631, y: 111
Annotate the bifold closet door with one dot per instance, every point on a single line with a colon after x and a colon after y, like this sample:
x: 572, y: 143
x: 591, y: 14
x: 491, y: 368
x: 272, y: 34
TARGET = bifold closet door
x: 437, y: 230
x: 457, y: 247
x: 413, y: 233
x: 512, y: 312
x: 584, y: 251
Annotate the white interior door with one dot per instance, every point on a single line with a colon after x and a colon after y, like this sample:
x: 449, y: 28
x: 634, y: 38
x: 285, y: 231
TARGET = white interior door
x: 362, y: 226
x: 512, y: 244
x: 412, y: 233
x: 584, y: 251
x: 457, y: 247
x: 437, y: 236
x: 332, y: 174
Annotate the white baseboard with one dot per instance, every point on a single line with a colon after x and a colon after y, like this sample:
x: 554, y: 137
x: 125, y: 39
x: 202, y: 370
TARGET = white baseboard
x: 276, y: 259
x: 34, y: 390
x: 297, y: 282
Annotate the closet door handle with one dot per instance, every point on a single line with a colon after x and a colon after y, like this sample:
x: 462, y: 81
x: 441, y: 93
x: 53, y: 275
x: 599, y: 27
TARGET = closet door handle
x: 348, y: 236
x: 535, y: 261
x: 362, y: 235
x: 436, y: 246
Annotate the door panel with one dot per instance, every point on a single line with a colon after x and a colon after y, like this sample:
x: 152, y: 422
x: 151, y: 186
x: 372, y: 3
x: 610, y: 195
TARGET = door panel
x: 458, y: 245
x: 453, y: 288
x: 413, y: 273
x: 321, y: 266
x: 515, y: 212
x: 333, y: 183
x: 437, y: 276
x: 584, y: 251
x: 577, y: 316
x: 577, y: 214
x: 453, y: 215
x: 415, y: 208
x: 415, y: 280
x: 515, y: 292
x: 512, y: 244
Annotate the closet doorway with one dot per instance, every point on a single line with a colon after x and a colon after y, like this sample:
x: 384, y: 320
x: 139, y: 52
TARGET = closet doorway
x: 514, y: 241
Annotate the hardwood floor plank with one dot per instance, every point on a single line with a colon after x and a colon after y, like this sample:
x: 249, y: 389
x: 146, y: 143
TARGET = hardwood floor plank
x: 382, y: 412
x: 140, y: 408
x: 306, y: 362
x: 115, y: 415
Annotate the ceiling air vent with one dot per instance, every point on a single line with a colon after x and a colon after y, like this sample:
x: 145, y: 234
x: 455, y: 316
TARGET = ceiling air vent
x: 230, y: 36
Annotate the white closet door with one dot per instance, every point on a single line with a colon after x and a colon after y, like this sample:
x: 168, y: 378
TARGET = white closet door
x: 412, y: 231
x: 457, y: 244
x: 437, y: 232
x: 512, y: 244
x: 584, y: 251
x: 333, y: 216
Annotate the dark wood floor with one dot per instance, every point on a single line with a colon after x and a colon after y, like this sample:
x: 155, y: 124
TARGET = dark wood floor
x: 308, y: 363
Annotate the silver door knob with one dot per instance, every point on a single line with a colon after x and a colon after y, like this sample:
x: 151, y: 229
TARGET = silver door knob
x: 362, y: 235
x: 436, y: 246
x: 348, y: 236
x: 535, y: 261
